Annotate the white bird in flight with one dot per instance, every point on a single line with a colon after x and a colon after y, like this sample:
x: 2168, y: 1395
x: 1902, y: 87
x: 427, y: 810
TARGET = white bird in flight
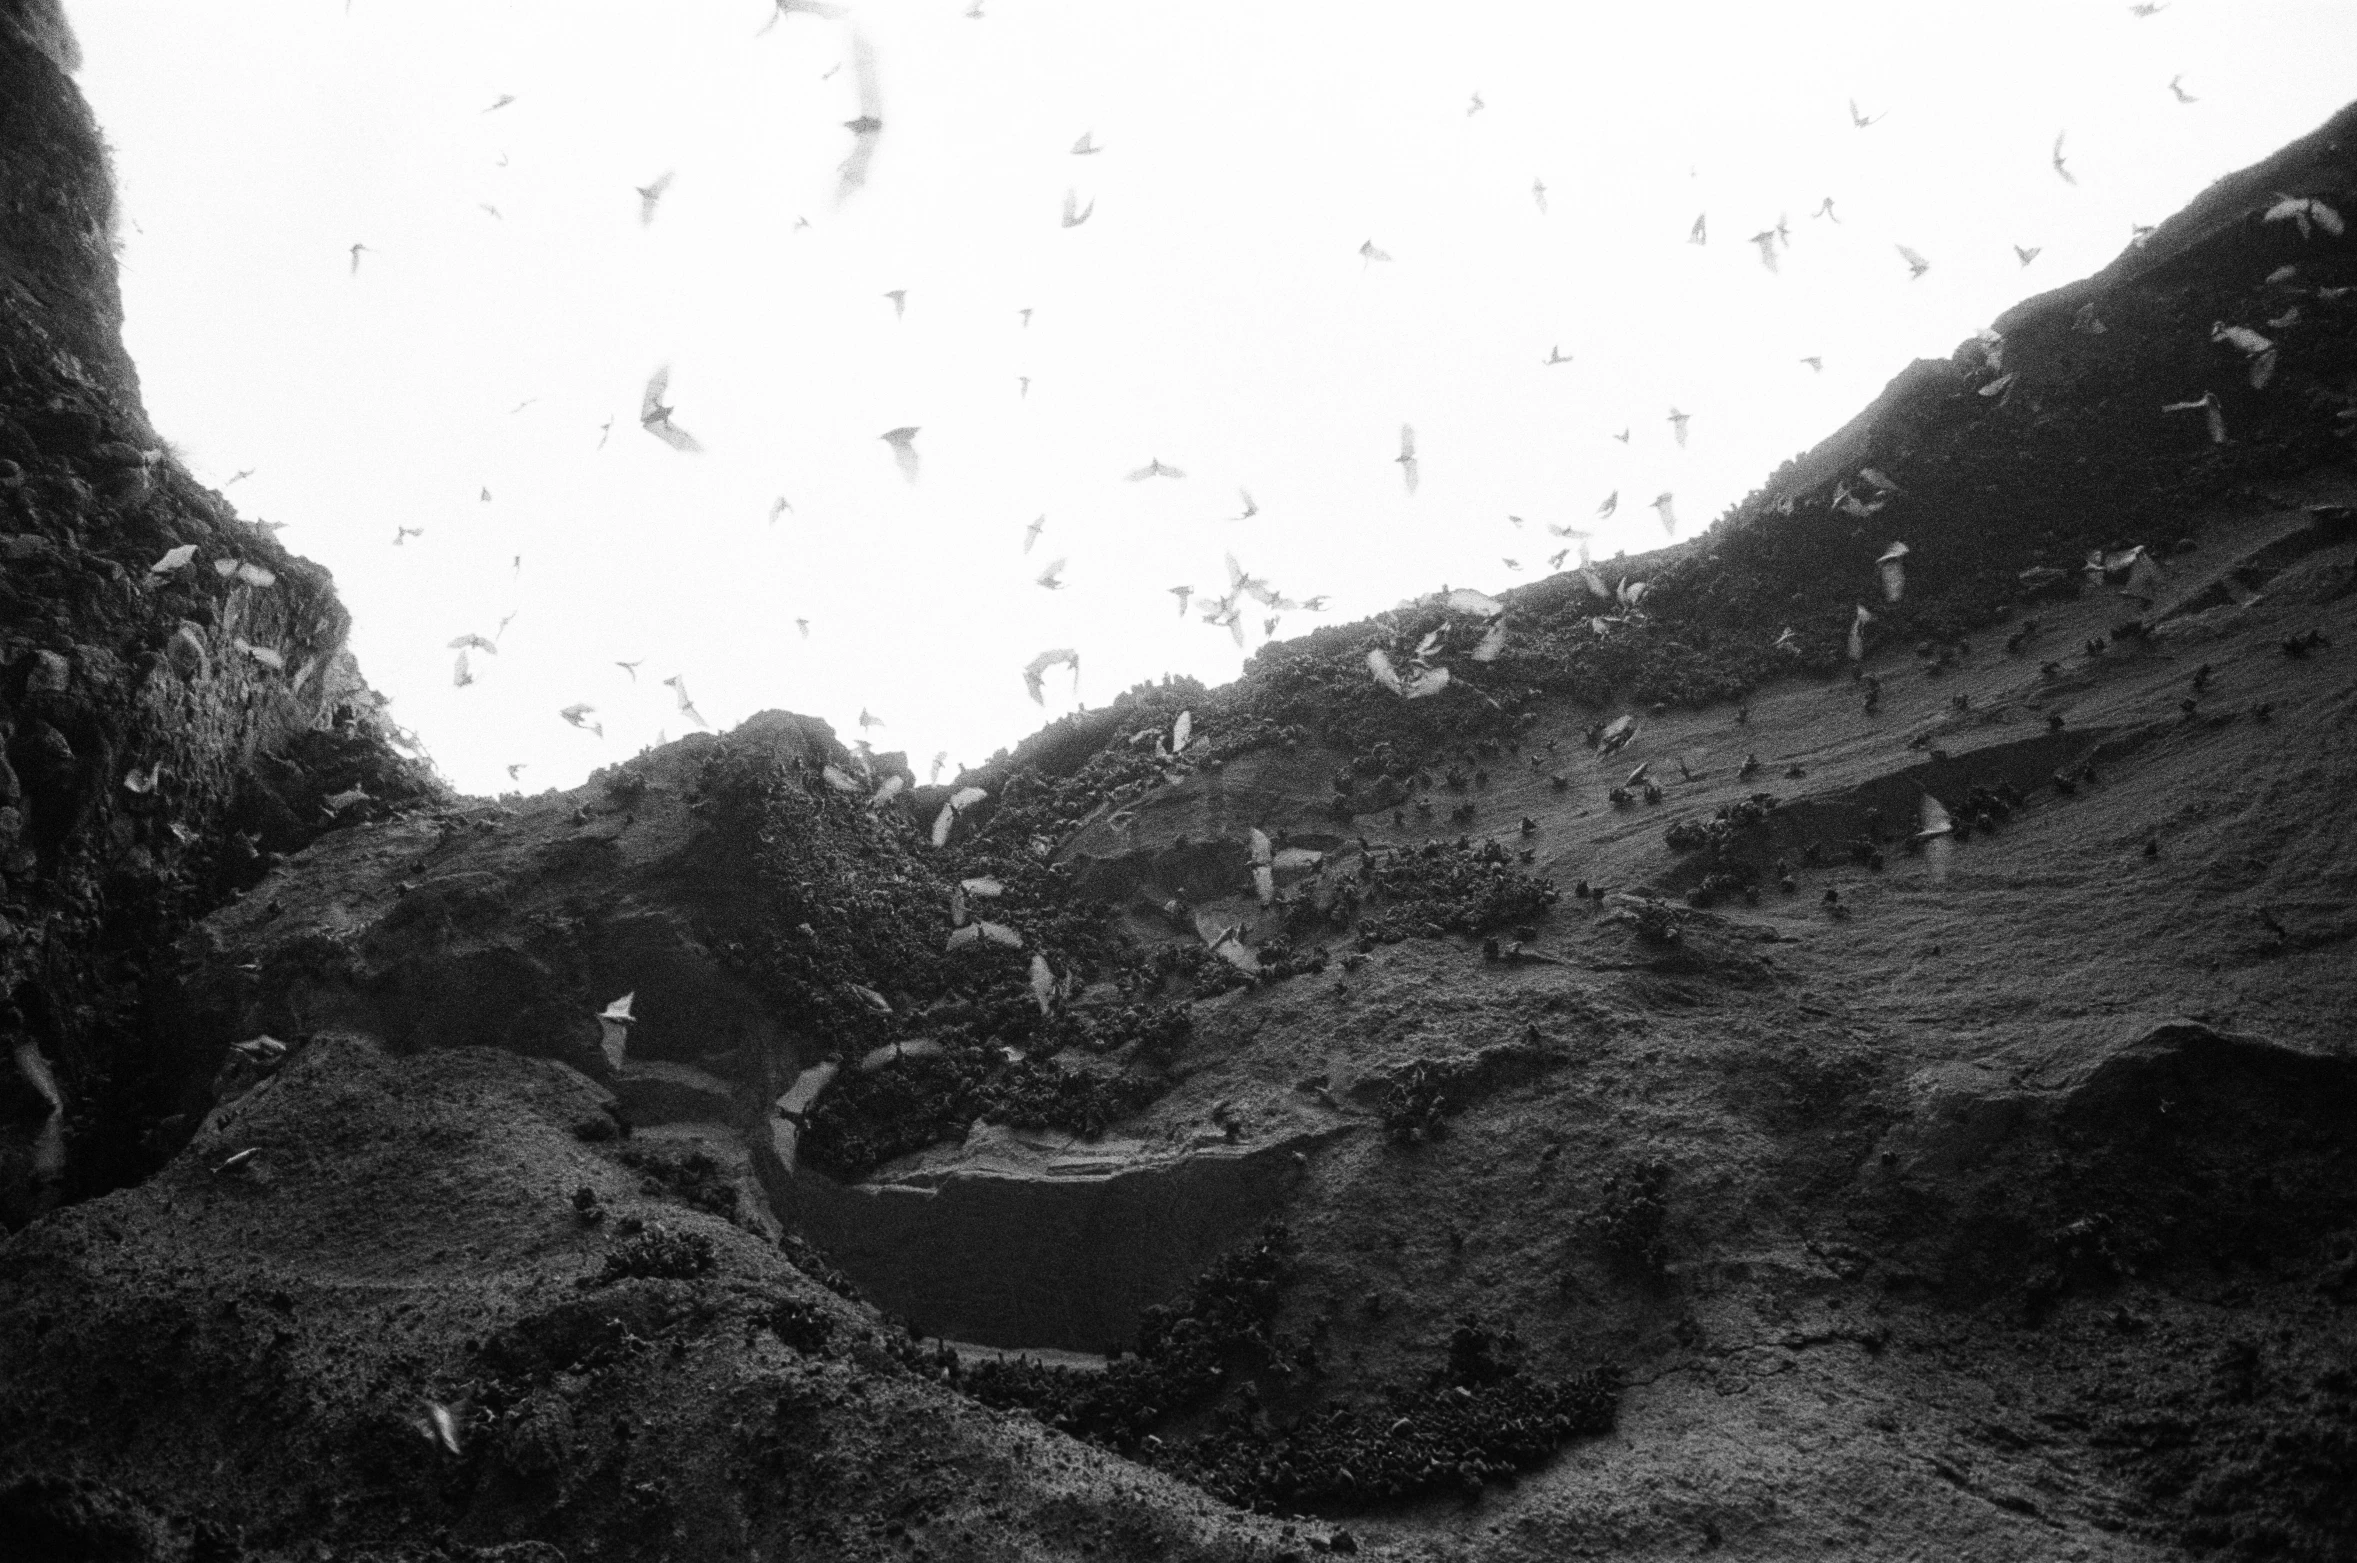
x: 654, y: 415
x: 650, y: 196
x: 1155, y: 468
x: 1407, y: 456
x: 903, y: 441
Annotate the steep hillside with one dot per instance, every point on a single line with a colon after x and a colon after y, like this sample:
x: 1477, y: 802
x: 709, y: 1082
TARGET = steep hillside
x: 1674, y: 1087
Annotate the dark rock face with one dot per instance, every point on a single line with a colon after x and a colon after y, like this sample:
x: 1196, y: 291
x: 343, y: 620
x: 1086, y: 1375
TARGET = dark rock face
x: 161, y: 734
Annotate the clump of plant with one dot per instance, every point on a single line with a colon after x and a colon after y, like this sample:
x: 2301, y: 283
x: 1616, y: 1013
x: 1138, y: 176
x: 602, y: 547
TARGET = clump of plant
x: 658, y: 1254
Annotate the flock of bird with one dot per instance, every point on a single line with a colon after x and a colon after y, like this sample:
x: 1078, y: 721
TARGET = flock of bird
x: 1244, y: 593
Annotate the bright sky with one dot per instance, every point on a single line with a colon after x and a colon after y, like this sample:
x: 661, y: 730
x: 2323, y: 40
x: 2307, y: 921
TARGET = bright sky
x: 1214, y: 311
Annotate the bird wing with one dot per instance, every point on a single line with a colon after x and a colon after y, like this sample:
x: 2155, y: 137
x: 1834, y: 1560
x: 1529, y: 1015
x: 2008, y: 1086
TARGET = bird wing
x: 1407, y: 443
x: 1048, y: 576
x: 674, y: 436
x: 650, y: 402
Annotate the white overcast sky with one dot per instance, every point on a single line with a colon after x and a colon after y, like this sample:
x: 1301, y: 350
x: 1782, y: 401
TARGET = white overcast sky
x: 1214, y: 311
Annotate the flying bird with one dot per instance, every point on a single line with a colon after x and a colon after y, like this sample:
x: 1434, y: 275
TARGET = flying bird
x: 475, y: 642
x: 1407, y: 456
x: 1155, y: 468
x: 2144, y: 8
x: 2025, y: 256
x: 239, y: 476
x: 778, y: 507
x: 2307, y: 213
x: 461, y: 674
x: 578, y: 715
x: 505, y: 99
x: 1622, y: 436
x: 1700, y: 232
x: 1677, y: 422
x: 687, y: 707
x: 2210, y: 405
x: 1053, y: 576
x: 1611, y: 503
x: 1074, y: 213
x: 400, y: 532
x: 2177, y: 86
x: 519, y: 766
x: 868, y: 129
x: 899, y: 298
x: 868, y: 719
x: 654, y: 415
x: 604, y: 431
x: 1669, y: 517
x: 1766, y: 240
x: 1035, y: 672
x: 1825, y: 209
x: 1031, y: 532
x: 630, y: 668
x: 484, y: 497
x: 1182, y: 593
x: 1475, y: 107
x: 1251, y: 508
x: 1086, y: 146
x: 1370, y: 254
x: 1894, y: 571
x: 1538, y: 193
x: 819, y: 8
x: 1861, y: 121
x: 1814, y: 362
x: 650, y: 196
x: 903, y: 441
x: 2060, y: 166
x: 804, y: 626
x: 357, y: 251
x: 1024, y: 381
x: 1026, y: 314
x: 1555, y: 559
x: 1556, y: 355
x: 1916, y: 264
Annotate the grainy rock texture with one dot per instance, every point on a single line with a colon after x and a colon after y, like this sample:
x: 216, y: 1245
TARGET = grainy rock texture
x: 1366, y: 1125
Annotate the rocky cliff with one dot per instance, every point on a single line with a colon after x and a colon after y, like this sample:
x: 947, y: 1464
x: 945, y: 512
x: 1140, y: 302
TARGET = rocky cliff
x: 1684, y: 1086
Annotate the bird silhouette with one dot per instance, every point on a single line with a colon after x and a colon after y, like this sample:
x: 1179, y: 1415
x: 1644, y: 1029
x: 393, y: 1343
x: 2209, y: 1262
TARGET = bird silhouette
x: 868, y: 129
x: 1035, y: 672
x: 1861, y: 121
x: 1825, y: 209
x: 239, y: 476
x: 1669, y: 517
x: 401, y: 532
x: 1156, y: 468
x: 1815, y: 363
x: 2025, y: 256
x: 869, y: 719
x: 1026, y: 314
x: 650, y: 196
x: 520, y: 765
x: 1766, y: 240
x: 804, y: 626
x: 1074, y: 213
x: 687, y: 707
x: 1086, y: 146
x: 1700, y: 232
x: 630, y: 668
x: 1677, y: 422
x: 1916, y: 264
x: 503, y: 101
x: 604, y: 431
x: 1251, y: 507
x: 1053, y: 576
x: 903, y: 441
x: 1556, y: 355
x: 1182, y: 593
x: 2060, y: 166
x: 1407, y: 456
x: 899, y: 298
x: 1611, y: 503
x: 357, y: 251
x: 1555, y: 559
x: 1369, y: 254
x: 778, y: 507
x: 654, y: 415
x: 578, y: 715
x: 1622, y: 436
x: 1031, y: 532
x: 1538, y: 193
x: 2177, y: 87
x: 1475, y: 107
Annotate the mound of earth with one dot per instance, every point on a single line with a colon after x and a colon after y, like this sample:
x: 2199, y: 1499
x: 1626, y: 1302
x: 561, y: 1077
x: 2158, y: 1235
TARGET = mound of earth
x: 1654, y: 1095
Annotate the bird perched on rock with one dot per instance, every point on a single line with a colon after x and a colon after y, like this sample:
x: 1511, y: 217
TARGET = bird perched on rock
x: 903, y: 441
x: 654, y: 415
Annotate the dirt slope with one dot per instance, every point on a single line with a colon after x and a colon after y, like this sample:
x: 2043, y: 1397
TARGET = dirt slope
x: 1332, y: 1105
